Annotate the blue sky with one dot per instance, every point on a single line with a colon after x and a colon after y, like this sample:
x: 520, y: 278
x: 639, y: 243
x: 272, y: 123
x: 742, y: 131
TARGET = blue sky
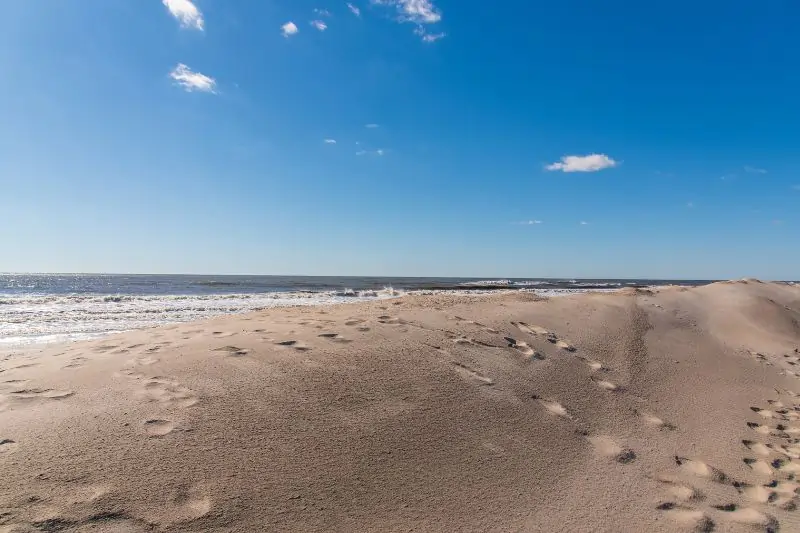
x: 560, y: 139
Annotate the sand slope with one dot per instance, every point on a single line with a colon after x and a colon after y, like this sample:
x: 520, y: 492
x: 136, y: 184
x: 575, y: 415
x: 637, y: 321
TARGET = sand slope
x: 666, y: 411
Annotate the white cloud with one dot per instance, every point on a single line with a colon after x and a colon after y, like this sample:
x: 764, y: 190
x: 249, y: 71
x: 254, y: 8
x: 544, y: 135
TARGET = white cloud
x: 322, y: 12
x: 379, y: 152
x: 371, y: 126
x: 289, y: 29
x: 330, y: 141
x: 193, y: 81
x: 356, y: 11
x: 433, y: 37
x: 186, y: 13
x: 419, y: 12
x: 754, y: 170
x: 529, y: 222
x: 583, y: 163
x: 321, y: 26
x: 584, y: 223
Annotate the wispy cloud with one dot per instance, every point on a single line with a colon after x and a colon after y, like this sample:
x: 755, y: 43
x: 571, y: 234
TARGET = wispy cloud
x: 529, y: 222
x: 289, y: 29
x: 728, y: 177
x: 584, y: 223
x: 322, y: 12
x: 330, y: 141
x: 186, y: 13
x: 583, y: 163
x: 754, y: 170
x: 416, y: 11
x: 353, y: 9
x: 690, y: 205
x: 371, y: 126
x: 321, y: 26
x: 193, y: 81
x: 379, y: 152
x: 419, y: 12
x: 429, y: 37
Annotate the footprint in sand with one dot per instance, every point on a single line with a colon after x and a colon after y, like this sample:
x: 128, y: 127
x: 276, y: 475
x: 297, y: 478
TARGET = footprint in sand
x: 553, y: 407
x: 33, y: 395
x: 293, y: 344
x: 233, y: 351
x: 656, y: 422
x: 7, y: 446
x: 532, y: 330
x: 701, y: 469
x: 680, y: 492
x: 185, y: 504
x: 524, y: 349
x: 747, y: 516
x: 386, y: 319
x: 76, y: 362
x: 168, y: 392
x: 607, y: 447
x: 786, y: 466
x: 472, y: 375
x: 596, y: 366
x: 222, y: 334
x: 757, y: 448
x: 765, y: 413
x: 358, y: 323
x: 759, y: 466
x: 762, y: 429
x: 687, y: 517
x: 474, y: 323
x: 565, y: 346
x: 334, y: 337
x: 606, y: 385
x: 158, y: 428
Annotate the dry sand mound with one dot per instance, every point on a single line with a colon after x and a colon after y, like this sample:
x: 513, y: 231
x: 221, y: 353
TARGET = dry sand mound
x: 665, y: 410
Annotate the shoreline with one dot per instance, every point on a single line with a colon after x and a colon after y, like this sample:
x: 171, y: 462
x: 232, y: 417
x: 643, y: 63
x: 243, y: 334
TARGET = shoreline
x: 250, y: 303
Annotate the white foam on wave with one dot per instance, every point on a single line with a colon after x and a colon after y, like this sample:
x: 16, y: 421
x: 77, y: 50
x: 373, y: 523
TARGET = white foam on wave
x: 35, y: 319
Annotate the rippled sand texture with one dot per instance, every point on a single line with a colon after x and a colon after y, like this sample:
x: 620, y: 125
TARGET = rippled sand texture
x: 668, y: 410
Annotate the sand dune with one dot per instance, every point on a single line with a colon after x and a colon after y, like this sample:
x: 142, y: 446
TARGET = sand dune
x: 668, y: 410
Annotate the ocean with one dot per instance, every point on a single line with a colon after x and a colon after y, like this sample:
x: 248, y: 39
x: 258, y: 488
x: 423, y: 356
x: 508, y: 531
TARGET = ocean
x: 43, y: 308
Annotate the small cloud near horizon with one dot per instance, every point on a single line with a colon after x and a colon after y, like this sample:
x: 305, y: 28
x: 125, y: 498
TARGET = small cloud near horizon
x: 754, y: 170
x: 186, y: 13
x: 353, y: 9
x: 330, y: 141
x: 582, y: 163
x: 193, y: 81
x: 318, y: 24
x: 289, y: 29
x: 584, y: 223
x: 529, y: 222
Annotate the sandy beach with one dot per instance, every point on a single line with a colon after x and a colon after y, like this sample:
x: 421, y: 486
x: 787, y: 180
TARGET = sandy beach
x: 644, y: 410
